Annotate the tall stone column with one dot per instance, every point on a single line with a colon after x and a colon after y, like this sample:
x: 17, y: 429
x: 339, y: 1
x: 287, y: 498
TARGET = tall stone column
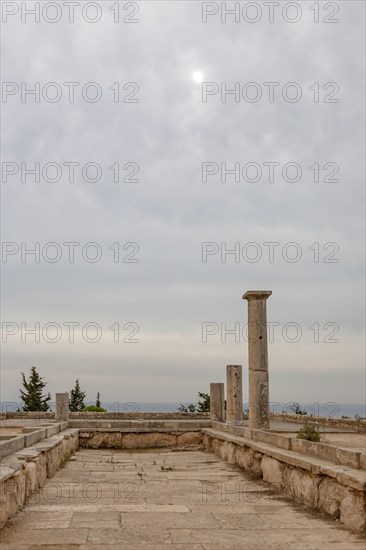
x: 234, y: 393
x: 62, y: 407
x: 258, y: 358
x: 217, y: 402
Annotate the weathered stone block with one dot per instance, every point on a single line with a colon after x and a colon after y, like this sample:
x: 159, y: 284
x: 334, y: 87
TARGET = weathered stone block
x: 245, y: 458
x: 257, y: 464
x: 52, y: 461
x: 363, y: 461
x: 190, y: 438
x: 301, y: 486
x: 31, y: 438
x: 283, y: 441
x: 207, y: 441
x: 216, y: 446
x: 148, y: 440
x: 31, y: 482
x: 353, y: 511
x: 263, y: 436
x: 239, y: 430
x: 11, y: 446
x: 224, y: 450
x: 272, y: 471
x: 231, y: 453
x: 62, y: 407
x: 108, y: 440
x: 224, y: 427
x: 328, y: 452
x: 41, y: 467
x: 52, y: 430
x: 348, y: 457
x: 247, y: 433
x: 14, y: 490
x: 331, y: 495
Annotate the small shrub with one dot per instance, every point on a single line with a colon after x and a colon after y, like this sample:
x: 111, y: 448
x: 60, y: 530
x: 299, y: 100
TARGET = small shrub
x: 94, y: 408
x: 310, y: 432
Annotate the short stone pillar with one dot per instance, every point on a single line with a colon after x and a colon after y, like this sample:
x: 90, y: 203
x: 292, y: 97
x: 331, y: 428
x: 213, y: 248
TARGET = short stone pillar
x: 62, y: 407
x: 217, y: 402
x: 258, y: 358
x: 234, y: 393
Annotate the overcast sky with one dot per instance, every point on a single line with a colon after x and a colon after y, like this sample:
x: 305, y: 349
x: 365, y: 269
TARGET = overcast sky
x: 172, y: 120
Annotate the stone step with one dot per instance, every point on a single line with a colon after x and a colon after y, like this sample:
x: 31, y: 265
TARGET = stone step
x: 119, y: 425
x: 30, y: 436
x: 346, y: 475
x: 174, y: 431
x: 341, y: 456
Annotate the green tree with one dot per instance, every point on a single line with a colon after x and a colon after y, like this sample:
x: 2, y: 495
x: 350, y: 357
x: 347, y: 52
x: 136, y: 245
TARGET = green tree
x: 204, y: 402
x: 97, y: 402
x: 187, y: 408
x: 32, y: 395
x: 77, y: 397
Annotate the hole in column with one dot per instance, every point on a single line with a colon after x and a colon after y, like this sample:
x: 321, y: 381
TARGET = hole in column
x: 260, y: 338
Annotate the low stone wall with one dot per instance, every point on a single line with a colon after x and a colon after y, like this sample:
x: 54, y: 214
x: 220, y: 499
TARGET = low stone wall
x: 344, y: 457
x: 21, y: 415
x: 343, y: 423
x: 136, y: 425
x: 139, y: 415
x: 25, y: 471
x: 145, y: 439
x: 29, y: 439
x: 335, y: 490
x: 108, y: 415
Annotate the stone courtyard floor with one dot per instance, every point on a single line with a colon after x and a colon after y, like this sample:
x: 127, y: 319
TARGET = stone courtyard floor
x: 157, y: 499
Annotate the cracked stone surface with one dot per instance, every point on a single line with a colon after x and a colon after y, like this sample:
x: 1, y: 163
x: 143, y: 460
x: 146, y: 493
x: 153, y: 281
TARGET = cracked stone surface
x: 156, y: 499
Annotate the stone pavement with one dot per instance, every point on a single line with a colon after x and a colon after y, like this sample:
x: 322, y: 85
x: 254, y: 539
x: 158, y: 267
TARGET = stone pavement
x: 156, y: 499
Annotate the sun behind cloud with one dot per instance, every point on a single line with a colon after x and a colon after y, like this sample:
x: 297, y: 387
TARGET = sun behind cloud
x: 198, y: 77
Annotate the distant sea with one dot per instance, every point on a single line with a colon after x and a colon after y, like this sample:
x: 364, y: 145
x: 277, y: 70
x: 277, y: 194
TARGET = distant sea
x: 331, y: 409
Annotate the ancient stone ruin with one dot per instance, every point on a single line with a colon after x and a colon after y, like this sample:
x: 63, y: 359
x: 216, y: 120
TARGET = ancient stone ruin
x: 328, y: 476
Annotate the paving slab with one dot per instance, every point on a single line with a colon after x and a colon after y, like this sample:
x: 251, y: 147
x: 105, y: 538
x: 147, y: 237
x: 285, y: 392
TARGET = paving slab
x: 174, y: 500
x: 16, y: 535
x: 45, y: 519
